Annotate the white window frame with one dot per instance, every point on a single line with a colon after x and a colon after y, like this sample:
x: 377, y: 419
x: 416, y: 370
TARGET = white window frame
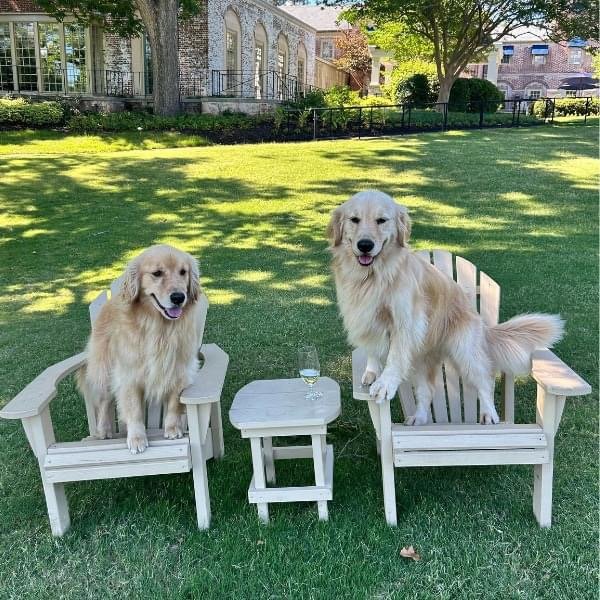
x: 330, y: 52
x: 575, y: 53
x: 538, y: 59
x: 570, y: 93
x: 36, y: 19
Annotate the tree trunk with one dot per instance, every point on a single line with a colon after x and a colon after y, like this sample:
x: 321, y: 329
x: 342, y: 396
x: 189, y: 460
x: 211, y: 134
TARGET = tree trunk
x: 446, y: 84
x: 160, y: 20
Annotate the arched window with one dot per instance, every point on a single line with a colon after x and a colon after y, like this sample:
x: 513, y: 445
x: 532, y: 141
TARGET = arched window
x: 301, y: 73
x: 233, y: 54
x: 283, y: 53
x: 260, y: 60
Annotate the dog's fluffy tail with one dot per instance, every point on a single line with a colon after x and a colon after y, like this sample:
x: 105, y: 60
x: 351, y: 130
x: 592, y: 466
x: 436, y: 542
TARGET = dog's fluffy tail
x: 511, y: 343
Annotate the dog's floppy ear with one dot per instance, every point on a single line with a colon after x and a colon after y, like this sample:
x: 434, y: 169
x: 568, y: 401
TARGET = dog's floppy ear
x: 194, y: 289
x: 130, y: 287
x: 334, y: 229
x: 403, y: 224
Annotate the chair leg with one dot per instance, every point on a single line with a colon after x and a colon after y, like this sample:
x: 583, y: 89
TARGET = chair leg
x: 548, y: 412
x: 542, y: 493
x: 269, y: 460
x: 387, y: 465
x: 58, y: 508
x: 198, y: 418
x: 216, y: 427
x: 258, y: 465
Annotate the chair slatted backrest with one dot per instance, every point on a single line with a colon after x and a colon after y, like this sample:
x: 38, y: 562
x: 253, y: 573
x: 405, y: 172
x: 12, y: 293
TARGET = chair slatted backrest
x: 154, y: 411
x: 454, y: 401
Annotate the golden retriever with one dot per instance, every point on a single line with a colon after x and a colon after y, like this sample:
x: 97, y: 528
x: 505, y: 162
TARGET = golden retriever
x: 144, y: 345
x: 410, y: 317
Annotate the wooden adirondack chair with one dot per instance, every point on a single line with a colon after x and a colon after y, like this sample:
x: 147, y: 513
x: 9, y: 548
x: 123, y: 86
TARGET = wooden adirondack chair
x: 91, y: 458
x: 453, y: 435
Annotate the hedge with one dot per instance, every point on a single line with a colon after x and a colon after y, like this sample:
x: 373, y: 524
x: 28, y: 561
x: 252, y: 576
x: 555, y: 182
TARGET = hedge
x: 22, y: 113
x: 132, y: 121
x: 565, y: 107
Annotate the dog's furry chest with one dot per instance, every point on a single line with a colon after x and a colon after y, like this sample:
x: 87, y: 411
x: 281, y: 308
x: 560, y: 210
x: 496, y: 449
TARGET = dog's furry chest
x: 365, y: 311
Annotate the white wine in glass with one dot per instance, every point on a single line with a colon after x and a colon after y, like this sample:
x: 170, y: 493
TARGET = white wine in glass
x: 309, y: 369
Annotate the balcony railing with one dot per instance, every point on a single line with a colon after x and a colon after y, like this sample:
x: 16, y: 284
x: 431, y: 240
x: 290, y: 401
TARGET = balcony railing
x: 261, y: 85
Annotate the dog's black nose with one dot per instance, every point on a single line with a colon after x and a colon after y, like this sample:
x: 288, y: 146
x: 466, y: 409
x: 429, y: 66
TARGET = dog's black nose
x: 177, y: 298
x: 365, y: 245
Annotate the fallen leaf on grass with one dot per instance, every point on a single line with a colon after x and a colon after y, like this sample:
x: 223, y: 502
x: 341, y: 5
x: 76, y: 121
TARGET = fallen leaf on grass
x: 409, y: 552
x: 260, y: 542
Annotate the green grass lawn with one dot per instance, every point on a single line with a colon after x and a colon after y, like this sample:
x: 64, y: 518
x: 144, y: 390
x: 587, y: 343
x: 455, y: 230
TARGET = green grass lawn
x: 521, y: 204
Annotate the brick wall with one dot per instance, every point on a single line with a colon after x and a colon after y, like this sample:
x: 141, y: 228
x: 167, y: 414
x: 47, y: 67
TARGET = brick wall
x: 19, y: 6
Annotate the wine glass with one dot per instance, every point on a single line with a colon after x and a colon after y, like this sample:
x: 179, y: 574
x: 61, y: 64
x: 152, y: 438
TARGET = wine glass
x: 310, y: 371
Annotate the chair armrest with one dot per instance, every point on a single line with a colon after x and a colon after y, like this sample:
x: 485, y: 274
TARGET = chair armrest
x: 359, y: 364
x: 208, y: 383
x: 555, y: 376
x: 34, y: 398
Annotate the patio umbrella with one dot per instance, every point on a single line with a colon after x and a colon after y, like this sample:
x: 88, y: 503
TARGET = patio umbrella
x: 578, y: 83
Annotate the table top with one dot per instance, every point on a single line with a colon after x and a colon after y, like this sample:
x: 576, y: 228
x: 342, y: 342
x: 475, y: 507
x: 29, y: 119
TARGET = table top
x: 282, y: 403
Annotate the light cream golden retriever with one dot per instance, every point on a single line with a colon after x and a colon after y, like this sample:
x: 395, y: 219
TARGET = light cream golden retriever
x: 410, y: 317
x: 144, y: 345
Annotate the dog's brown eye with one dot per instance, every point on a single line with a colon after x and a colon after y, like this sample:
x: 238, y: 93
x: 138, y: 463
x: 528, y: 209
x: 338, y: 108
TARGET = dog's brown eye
x: 355, y: 219
x: 381, y: 221
x: 157, y: 273
x: 182, y: 272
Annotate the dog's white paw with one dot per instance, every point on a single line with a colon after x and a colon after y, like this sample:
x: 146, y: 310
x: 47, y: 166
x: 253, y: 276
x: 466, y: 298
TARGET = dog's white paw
x: 419, y: 418
x: 384, y: 388
x: 173, y: 432
x: 368, y: 377
x: 489, y: 416
x: 137, y: 440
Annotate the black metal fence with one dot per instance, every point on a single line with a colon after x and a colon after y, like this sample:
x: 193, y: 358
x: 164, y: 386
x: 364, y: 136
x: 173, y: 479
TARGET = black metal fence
x: 387, y: 119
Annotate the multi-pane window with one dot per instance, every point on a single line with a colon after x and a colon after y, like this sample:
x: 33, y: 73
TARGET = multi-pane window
x: 301, y: 71
x: 6, y: 63
x: 327, y: 49
x: 26, y: 56
x: 75, y: 58
x: 535, y: 94
x: 575, y: 56
x: 506, y: 58
x: 539, y: 59
x: 47, y: 57
x: 231, y: 50
x: 50, y: 57
x: 571, y: 93
x: 259, y: 51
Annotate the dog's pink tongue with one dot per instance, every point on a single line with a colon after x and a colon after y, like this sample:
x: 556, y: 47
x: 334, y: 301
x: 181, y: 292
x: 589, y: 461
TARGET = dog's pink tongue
x: 365, y: 259
x: 174, y: 312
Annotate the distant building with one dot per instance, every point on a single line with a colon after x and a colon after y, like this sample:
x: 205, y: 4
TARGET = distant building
x: 329, y: 29
x: 526, y: 64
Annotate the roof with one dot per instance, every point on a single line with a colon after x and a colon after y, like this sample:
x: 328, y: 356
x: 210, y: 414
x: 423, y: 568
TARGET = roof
x: 529, y: 34
x: 322, y: 18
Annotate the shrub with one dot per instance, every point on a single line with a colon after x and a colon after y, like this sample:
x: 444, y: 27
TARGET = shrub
x: 482, y: 90
x: 132, y: 121
x: 468, y: 94
x: 312, y: 99
x: 459, y: 95
x: 565, y: 107
x: 397, y: 90
x: 341, y: 95
x: 22, y: 113
x: 417, y: 90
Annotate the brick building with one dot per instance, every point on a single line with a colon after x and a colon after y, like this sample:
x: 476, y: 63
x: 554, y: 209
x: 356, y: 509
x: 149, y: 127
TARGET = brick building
x: 232, y: 48
x: 527, y: 65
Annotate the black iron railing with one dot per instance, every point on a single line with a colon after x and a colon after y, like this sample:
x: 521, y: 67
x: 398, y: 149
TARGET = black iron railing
x: 385, y: 119
x: 261, y: 85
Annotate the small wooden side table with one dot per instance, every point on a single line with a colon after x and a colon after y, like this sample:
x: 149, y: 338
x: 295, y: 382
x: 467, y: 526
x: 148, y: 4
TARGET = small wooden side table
x: 272, y: 408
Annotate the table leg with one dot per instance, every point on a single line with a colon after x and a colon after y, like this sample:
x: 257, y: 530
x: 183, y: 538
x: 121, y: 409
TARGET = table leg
x: 319, y: 449
x: 258, y: 465
x: 269, y: 461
